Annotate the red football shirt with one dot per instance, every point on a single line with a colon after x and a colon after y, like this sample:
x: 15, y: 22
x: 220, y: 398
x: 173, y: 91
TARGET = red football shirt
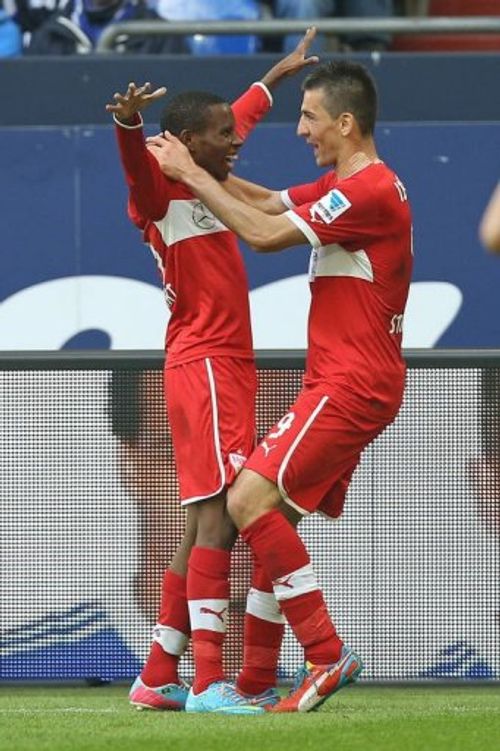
x: 361, y: 262
x: 202, y: 269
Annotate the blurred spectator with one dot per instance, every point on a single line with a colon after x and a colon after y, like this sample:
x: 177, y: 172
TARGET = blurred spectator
x: 215, y: 10
x: 30, y: 14
x: 76, y: 28
x: 10, y: 35
x: 312, y: 10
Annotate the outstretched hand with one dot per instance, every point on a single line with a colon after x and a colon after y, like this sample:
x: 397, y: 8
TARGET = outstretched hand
x: 135, y: 99
x: 171, y: 154
x: 294, y: 62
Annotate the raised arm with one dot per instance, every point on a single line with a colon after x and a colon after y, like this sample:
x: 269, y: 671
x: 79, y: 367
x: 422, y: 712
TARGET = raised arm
x: 292, y: 63
x: 269, y: 201
x: 263, y: 232
x: 148, y: 189
x: 256, y: 101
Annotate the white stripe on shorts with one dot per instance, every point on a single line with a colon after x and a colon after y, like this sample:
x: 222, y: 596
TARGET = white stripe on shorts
x: 289, y: 454
x: 215, y: 424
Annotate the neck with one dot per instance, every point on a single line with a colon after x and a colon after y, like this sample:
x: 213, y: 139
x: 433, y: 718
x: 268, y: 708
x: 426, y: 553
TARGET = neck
x: 356, y: 161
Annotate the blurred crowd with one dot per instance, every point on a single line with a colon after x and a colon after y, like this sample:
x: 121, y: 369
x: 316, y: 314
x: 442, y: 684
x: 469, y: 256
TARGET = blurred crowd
x: 64, y: 27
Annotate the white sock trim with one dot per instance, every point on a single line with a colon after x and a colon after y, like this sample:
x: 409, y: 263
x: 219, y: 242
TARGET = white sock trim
x: 209, y: 615
x: 172, y: 641
x: 296, y: 583
x: 263, y: 605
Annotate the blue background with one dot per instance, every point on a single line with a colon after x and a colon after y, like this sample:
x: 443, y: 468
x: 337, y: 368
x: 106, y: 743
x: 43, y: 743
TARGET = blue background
x: 63, y: 212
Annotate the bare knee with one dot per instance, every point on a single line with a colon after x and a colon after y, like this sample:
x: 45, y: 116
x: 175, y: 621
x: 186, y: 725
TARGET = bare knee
x: 238, y: 505
x: 215, y: 527
x: 250, y: 497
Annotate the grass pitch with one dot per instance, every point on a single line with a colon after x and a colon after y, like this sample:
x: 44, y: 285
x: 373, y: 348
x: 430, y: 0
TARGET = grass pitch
x: 358, y: 718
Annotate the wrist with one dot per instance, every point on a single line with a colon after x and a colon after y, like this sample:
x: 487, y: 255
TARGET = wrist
x: 266, y: 89
x: 135, y: 121
x: 195, y: 176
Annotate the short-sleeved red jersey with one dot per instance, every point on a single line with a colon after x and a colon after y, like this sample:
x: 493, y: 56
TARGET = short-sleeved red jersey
x: 361, y: 262
x: 202, y: 269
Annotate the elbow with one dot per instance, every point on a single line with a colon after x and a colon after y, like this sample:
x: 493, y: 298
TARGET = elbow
x: 263, y: 247
x: 259, y: 245
x: 256, y: 240
x: 490, y: 240
x: 151, y: 212
x: 264, y: 243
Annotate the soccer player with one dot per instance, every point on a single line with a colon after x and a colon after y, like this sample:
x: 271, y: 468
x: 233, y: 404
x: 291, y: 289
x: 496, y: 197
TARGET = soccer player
x: 210, y: 387
x: 357, y: 219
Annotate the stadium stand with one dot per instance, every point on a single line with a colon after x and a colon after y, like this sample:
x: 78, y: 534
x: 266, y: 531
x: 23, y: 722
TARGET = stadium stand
x: 214, y: 10
x: 10, y: 34
x: 453, y: 42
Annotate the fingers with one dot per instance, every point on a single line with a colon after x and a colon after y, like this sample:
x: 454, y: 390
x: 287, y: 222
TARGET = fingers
x: 157, y: 93
x: 141, y: 90
x: 306, y: 40
x: 154, y: 141
x: 136, y: 96
x: 308, y: 37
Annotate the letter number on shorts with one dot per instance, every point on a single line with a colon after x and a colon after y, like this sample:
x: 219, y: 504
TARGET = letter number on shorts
x: 284, y: 424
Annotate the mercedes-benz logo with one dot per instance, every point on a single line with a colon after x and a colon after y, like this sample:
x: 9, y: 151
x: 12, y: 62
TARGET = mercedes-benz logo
x: 202, y: 217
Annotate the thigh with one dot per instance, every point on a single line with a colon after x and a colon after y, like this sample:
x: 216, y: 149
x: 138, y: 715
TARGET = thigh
x: 313, y: 450
x: 211, y: 439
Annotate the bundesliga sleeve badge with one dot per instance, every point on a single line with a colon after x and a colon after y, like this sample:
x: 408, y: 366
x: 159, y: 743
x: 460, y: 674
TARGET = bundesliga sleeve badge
x: 329, y: 207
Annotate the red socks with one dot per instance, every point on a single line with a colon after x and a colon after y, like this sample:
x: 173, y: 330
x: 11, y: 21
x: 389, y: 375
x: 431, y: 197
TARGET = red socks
x: 264, y: 627
x: 170, y: 634
x: 203, y: 600
x: 282, y: 554
x: 208, y: 599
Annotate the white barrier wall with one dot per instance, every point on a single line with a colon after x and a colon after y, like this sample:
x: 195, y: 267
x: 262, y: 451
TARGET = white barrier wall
x: 90, y: 519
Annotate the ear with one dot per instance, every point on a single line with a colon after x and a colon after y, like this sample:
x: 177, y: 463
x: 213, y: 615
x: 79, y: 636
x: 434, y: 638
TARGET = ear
x: 346, y: 123
x: 187, y: 137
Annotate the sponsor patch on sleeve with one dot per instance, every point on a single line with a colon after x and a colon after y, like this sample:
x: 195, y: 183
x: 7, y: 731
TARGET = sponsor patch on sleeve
x: 329, y: 207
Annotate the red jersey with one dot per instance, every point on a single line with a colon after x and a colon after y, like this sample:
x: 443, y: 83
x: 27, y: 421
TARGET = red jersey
x: 361, y: 262
x: 202, y: 269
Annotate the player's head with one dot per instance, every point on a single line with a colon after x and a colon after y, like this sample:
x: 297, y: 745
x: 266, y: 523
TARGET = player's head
x: 340, y: 102
x: 204, y: 122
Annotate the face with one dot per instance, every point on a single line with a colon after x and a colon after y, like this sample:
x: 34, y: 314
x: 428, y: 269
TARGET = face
x: 216, y: 148
x: 324, y: 133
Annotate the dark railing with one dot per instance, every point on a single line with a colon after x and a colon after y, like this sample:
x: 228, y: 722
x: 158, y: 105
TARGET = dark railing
x: 409, y: 25
x: 276, y: 359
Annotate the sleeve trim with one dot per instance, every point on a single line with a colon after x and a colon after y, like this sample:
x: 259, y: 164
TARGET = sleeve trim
x: 305, y: 228
x: 265, y: 90
x: 129, y: 127
x: 285, y: 197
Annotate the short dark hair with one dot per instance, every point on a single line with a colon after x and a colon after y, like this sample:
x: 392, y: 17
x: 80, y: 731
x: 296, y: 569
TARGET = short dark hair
x: 348, y: 87
x: 189, y: 111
